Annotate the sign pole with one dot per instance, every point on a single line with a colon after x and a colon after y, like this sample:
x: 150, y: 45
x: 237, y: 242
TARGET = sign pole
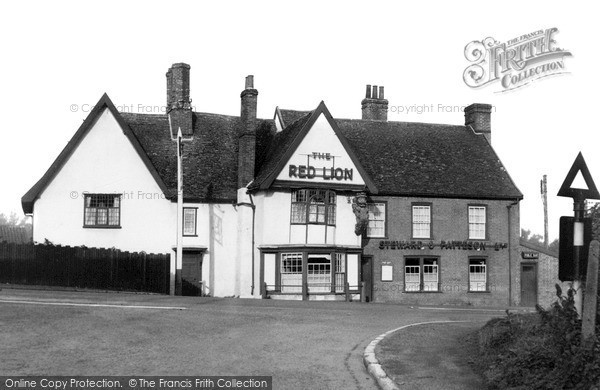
x: 579, y: 211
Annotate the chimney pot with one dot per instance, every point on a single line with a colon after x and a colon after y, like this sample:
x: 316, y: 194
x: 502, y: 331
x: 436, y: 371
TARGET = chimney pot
x: 250, y: 82
x: 374, y: 105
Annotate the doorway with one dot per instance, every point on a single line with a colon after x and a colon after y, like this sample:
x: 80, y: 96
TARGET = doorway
x: 366, y: 277
x: 528, y: 284
x: 191, y: 274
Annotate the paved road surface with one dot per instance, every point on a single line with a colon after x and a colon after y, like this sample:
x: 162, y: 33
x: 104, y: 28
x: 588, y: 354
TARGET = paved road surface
x: 303, y: 345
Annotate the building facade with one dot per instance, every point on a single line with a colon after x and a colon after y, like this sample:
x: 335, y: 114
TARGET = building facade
x: 301, y: 206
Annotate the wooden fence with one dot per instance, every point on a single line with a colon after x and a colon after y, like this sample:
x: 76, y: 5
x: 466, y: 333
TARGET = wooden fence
x: 82, y: 267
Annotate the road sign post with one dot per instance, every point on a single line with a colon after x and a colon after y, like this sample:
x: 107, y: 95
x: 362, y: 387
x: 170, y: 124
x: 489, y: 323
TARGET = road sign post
x: 579, y: 195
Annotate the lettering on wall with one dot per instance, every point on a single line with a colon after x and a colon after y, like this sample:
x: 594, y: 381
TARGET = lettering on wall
x: 310, y: 171
x: 448, y: 245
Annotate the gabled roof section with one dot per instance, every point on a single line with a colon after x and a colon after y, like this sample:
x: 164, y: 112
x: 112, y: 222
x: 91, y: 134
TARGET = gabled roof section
x: 29, y: 198
x: 287, y: 117
x: 287, y: 141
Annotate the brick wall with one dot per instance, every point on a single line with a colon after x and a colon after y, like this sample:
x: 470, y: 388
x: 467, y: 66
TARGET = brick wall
x: 449, y: 223
x: 547, y: 273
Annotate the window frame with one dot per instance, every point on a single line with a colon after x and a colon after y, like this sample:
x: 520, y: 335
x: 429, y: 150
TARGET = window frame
x: 412, y: 219
x: 329, y: 207
x: 195, y: 234
x: 107, y: 225
x: 385, y: 211
x: 485, y: 221
x: 487, y: 275
x: 421, y: 266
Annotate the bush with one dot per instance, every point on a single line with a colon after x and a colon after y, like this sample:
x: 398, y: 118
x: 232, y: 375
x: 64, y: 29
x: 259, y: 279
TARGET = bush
x: 540, y: 350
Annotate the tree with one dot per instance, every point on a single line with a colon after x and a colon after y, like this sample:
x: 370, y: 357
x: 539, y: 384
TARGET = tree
x: 594, y: 213
x: 14, y: 220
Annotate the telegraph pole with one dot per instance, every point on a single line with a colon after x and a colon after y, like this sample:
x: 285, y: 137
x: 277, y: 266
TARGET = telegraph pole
x: 544, y: 191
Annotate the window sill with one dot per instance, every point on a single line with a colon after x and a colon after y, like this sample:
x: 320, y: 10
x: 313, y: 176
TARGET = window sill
x: 479, y: 292
x: 190, y: 235
x: 101, y: 227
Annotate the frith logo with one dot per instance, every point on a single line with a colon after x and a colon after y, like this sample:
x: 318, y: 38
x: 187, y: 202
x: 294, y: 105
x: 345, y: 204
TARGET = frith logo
x: 514, y: 63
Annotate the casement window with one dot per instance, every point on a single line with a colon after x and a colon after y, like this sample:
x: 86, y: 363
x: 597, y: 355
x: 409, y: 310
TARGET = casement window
x: 291, y: 272
x: 421, y: 221
x: 189, y: 221
x: 421, y: 274
x: 102, y: 210
x: 313, y: 207
x: 477, y: 275
x: 376, y: 226
x: 477, y: 222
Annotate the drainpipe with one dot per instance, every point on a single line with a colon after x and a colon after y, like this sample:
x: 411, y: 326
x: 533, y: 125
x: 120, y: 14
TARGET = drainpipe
x: 508, y: 208
x: 253, y: 207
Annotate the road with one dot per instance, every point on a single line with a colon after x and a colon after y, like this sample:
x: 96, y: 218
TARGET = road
x: 303, y: 345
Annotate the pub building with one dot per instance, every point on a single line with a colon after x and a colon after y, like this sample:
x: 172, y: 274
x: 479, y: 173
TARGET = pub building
x: 301, y: 206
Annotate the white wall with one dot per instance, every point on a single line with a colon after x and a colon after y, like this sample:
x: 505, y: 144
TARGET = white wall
x: 105, y: 162
x: 216, y: 232
x: 273, y: 226
x: 321, y: 139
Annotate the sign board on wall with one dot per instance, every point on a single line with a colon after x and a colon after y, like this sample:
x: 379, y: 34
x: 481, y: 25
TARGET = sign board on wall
x: 387, y: 272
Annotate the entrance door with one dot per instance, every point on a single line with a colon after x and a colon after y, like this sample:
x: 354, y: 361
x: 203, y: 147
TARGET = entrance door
x: 366, y: 277
x: 191, y: 274
x: 528, y: 284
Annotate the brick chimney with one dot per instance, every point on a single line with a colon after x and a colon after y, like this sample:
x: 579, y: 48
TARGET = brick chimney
x: 374, y: 106
x: 179, y: 108
x: 247, y: 140
x: 478, y: 116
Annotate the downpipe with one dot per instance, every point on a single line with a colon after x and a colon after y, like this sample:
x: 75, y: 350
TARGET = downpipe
x: 253, y: 207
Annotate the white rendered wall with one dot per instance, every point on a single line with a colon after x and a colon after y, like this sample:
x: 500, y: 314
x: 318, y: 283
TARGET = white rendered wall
x: 105, y: 162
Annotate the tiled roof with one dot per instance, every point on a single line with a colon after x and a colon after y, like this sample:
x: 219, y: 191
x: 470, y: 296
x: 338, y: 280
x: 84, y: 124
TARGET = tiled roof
x: 397, y: 158
x: 290, y: 116
x: 413, y: 159
x: 280, y: 143
x: 209, y: 160
x: 422, y: 159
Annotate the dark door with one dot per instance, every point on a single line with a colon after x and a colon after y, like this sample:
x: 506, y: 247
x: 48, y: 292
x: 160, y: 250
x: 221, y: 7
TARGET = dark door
x: 366, y: 277
x: 528, y: 284
x: 191, y: 274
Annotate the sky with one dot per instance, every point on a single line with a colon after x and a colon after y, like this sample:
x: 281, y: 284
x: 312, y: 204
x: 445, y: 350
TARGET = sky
x: 59, y: 57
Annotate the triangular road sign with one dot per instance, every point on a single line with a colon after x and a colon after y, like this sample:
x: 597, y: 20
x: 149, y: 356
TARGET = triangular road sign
x: 579, y: 169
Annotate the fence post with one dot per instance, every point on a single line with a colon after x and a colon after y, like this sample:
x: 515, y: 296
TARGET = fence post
x: 362, y: 292
x: 588, y: 326
x: 347, y: 292
x: 264, y: 290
